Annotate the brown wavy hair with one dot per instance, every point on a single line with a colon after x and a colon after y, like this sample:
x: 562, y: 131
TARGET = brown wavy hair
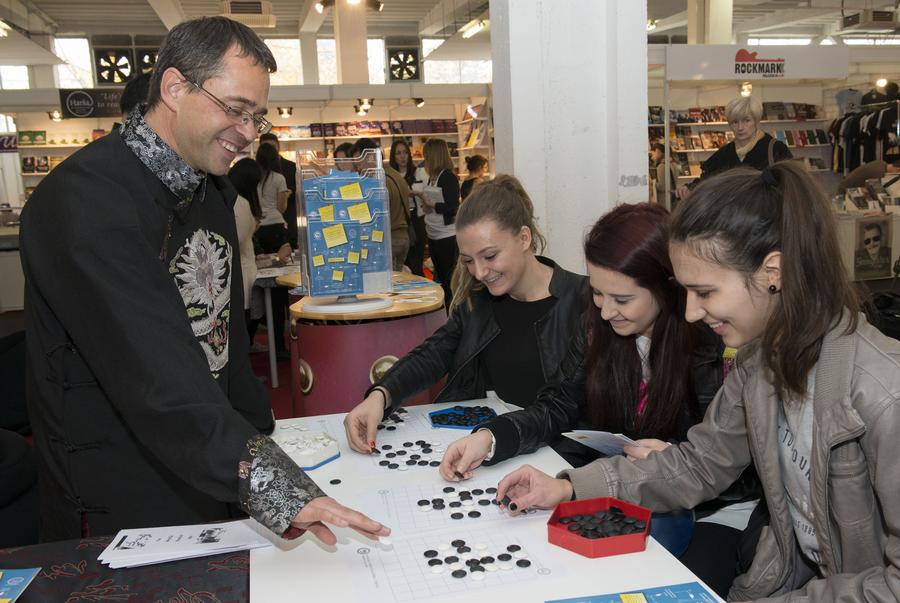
x: 633, y: 240
x: 504, y: 201
x: 737, y: 218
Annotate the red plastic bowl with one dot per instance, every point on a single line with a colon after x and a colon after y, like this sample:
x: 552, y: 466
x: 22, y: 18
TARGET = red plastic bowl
x: 600, y: 547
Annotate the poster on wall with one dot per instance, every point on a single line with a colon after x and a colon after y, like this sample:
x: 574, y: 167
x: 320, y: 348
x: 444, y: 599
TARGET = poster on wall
x: 90, y: 103
x: 872, y: 258
x: 9, y: 143
x: 733, y: 62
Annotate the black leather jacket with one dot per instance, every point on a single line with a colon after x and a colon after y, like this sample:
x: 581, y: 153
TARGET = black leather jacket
x: 561, y: 406
x: 455, y: 349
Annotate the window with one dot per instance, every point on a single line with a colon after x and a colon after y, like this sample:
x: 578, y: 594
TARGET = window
x: 76, y: 71
x: 287, y: 55
x: 376, y: 60
x: 14, y: 77
x: 886, y: 41
x: 7, y: 123
x: 454, y: 72
x: 328, y: 60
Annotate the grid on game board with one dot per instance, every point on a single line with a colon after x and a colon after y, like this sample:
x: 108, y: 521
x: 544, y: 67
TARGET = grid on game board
x: 411, y: 579
x: 409, y: 515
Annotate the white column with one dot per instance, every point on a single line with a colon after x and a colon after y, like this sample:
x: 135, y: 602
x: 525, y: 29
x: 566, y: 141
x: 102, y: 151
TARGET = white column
x: 710, y: 21
x: 351, y: 43
x: 42, y: 76
x: 309, y: 56
x: 570, y: 110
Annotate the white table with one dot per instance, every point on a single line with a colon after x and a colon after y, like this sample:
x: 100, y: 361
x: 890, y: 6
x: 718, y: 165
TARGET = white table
x: 357, y: 569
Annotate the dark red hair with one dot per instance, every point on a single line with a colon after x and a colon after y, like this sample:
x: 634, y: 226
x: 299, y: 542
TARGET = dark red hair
x: 633, y: 240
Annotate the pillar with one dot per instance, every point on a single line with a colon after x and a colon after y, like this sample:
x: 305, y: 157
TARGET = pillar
x: 309, y: 56
x: 570, y: 110
x: 351, y: 43
x: 710, y: 21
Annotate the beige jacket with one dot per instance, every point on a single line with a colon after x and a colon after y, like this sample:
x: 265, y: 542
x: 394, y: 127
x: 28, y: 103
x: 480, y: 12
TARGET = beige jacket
x: 855, y: 471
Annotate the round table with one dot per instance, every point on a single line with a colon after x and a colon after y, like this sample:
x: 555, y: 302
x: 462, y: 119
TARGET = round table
x: 335, y: 357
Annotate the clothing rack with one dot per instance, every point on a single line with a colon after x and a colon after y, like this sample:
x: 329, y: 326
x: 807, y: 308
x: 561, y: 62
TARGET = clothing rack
x: 895, y: 103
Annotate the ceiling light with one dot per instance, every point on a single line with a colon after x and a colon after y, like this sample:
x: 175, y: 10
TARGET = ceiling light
x: 285, y: 112
x: 360, y: 111
x: 881, y: 82
x: 471, y: 111
x: 420, y: 102
x: 651, y: 24
x: 54, y: 115
x: 472, y: 27
x: 746, y: 89
x: 365, y: 103
x: 4, y: 29
x: 353, y: 1
x: 320, y: 8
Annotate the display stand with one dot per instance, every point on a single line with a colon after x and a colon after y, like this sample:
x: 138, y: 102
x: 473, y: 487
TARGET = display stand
x: 345, y: 232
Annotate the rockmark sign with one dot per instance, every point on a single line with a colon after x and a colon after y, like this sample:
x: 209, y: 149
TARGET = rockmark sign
x: 747, y: 63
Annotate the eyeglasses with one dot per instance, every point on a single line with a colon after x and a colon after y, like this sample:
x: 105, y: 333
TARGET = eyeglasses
x: 875, y: 239
x: 262, y: 124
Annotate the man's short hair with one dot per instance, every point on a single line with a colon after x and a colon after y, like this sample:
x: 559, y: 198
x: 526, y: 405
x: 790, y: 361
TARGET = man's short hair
x: 196, y: 47
x: 135, y: 93
x: 363, y: 144
x: 873, y: 226
x: 268, y: 137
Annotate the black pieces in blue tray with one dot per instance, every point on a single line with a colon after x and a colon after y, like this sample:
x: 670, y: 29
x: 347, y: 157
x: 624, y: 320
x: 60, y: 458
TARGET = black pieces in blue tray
x: 462, y: 416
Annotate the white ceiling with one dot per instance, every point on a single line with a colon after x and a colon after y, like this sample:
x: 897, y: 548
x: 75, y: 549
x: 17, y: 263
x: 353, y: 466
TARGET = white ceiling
x: 418, y: 17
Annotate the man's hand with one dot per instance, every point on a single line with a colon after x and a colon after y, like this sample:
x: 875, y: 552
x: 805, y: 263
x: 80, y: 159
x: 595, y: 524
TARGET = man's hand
x: 324, y: 509
x: 361, y: 423
x: 465, y: 455
x: 527, y: 487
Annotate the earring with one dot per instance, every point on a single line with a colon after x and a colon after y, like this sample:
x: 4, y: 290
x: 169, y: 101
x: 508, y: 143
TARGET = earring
x: 773, y: 289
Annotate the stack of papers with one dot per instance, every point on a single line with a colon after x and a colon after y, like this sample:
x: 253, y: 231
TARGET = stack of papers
x: 145, y: 546
x: 610, y: 444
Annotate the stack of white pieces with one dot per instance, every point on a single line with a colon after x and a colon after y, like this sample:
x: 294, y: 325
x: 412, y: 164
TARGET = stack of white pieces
x: 145, y: 546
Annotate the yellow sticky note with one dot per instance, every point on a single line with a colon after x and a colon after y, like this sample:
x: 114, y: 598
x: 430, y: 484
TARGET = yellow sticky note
x: 334, y: 235
x: 326, y: 213
x: 377, y: 236
x: 353, y: 257
x: 337, y: 275
x: 364, y: 237
x: 351, y: 191
x: 318, y: 260
x: 365, y: 254
x: 335, y: 260
x: 633, y: 598
x: 360, y: 213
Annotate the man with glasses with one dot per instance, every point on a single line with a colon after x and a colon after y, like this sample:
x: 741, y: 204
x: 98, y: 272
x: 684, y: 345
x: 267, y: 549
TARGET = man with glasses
x: 873, y: 257
x: 145, y: 409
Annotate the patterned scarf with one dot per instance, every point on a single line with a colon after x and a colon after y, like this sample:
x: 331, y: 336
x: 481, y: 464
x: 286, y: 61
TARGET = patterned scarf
x: 160, y: 158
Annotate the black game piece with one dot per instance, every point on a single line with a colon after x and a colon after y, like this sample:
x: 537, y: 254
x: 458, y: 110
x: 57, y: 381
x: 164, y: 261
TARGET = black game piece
x: 449, y: 489
x: 477, y: 491
x: 391, y: 455
x: 410, y: 462
x: 384, y: 463
x: 426, y: 451
x: 505, y: 501
x: 380, y: 426
x: 423, y: 463
x: 435, y: 562
x: 439, y: 507
x: 376, y: 452
x: 486, y: 560
x: 335, y: 482
x: 458, y: 543
x: 456, y: 515
x: 523, y: 562
x: 437, y: 501
x: 474, y: 514
x: 457, y: 473
x: 491, y: 490
x: 391, y: 427
x: 455, y: 504
x: 463, y: 549
x: 460, y: 573
x: 386, y: 447
x: 423, y: 503
x: 401, y: 453
x: 407, y: 444
x: 435, y: 463
x: 472, y: 562
x: 451, y: 559
x: 476, y: 568
x: 430, y: 553
x: 513, y: 548
x: 415, y: 457
x: 504, y: 557
x: 393, y: 466
x: 484, y: 502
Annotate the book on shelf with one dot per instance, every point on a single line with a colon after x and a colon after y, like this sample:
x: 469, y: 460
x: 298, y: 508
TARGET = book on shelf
x: 780, y: 135
x: 696, y: 143
x: 694, y: 168
x: 800, y: 138
x: 55, y: 160
x: 679, y: 143
x: 817, y: 163
x: 683, y: 163
x: 811, y: 137
x: 315, y: 130
x: 729, y: 136
x: 28, y: 164
x: 789, y: 111
x: 789, y: 138
x: 822, y: 136
x: 654, y: 115
x: 774, y: 111
x: 706, y: 139
x: 695, y: 114
x: 42, y: 164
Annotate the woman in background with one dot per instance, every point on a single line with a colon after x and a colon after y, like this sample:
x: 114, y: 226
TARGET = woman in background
x: 440, y: 213
x: 401, y: 160
x: 245, y: 175
x: 477, y: 166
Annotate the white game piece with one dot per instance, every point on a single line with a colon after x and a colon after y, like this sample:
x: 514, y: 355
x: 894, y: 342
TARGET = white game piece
x: 443, y: 546
x: 414, y: 448
x: 520, y: 554
x: 491, y: 567
x: 385, y: 540
x: 477, y: 576
x: 481, y: 546
x: 506, y: 566
x: 466, y: 556
x: 424, y: 508
x: 453, y: 495
x: 437, y: 569
x: 403, y: 467
x: 458, y: 565
x: 468, y: 503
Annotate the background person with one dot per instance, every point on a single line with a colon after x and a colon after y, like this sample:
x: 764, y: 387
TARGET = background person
x: 751, y: 146
x: 440, y: 216
x: 288, y: 169
x: 398, y: 194
x: 401, y: 160
x: 477, y: 166
x: 245, y: 176
x: 510, y: 320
